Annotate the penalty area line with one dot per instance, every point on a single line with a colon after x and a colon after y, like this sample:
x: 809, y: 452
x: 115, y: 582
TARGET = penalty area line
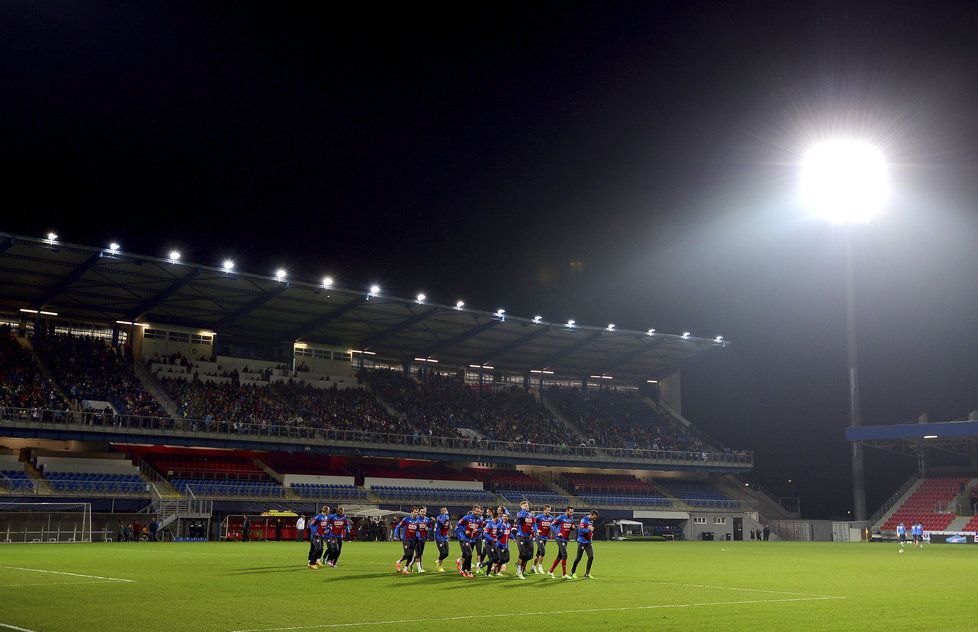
x: 14, y: 627
x: 41, y: 570
x: 542, y: 613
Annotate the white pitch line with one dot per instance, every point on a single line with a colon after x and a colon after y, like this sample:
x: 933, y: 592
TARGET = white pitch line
x: 39, y: 570
x: 94, y: 581
x: 547, y: 613
x: 759, y: 590
x: 14, y: 627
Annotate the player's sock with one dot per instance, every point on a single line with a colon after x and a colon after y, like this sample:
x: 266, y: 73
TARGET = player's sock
x: 563, y: 565
x: 554, y: 565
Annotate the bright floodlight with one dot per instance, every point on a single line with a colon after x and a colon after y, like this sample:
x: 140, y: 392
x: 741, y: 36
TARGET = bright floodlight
x: 114, y: 247
x: 537, y: 319
x: 459, y: 304
x: 327, y: 281
x: 280, y: 274
x: 571, y: 323
x: 421, y: 298
x: 500, y: 311
x: 651, y: 332
x: 844, y: 181
x: 611, y: 326
x: 174, y: 256
x: 228, y: 265
x: 52, y: 236
x: 374, y: 290
x: 686, y: 335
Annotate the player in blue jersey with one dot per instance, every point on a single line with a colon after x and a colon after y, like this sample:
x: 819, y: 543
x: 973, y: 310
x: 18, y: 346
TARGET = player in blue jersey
x: 424, y: 525
x: 918, y: 535
x: 337, y: 528
x: 481, y: 552
x: 902, y: 534
x: 316, y: 528
x: 465, y: 532
x: 407, y: 531
x: 525, y: 533
x: 562, y: 527
x: 503, y: 533
x: 443, y: 528
x: 585, y: 533
x: 543, y: 524
x: 490, y: 528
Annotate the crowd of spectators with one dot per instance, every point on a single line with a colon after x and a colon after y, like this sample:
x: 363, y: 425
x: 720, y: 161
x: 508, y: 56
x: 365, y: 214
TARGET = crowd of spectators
x: 88, y: 368
x: 441, y: 404
x: 280, y: 406
x: 621, y: 420
x: 22, y: 384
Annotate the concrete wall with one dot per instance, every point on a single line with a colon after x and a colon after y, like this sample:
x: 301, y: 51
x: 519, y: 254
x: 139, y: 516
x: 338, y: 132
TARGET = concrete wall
x: 95, y: 466
x: 671, y: 391
x: 291, y: 479
x: 371, y: 481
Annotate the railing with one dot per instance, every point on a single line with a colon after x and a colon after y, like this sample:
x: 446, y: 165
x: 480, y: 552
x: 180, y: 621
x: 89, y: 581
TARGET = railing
x: 892, y: 500
x: 107, y: 423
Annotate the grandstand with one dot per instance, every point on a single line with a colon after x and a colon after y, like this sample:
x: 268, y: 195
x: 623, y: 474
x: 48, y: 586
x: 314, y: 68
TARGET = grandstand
x: 372, y: 400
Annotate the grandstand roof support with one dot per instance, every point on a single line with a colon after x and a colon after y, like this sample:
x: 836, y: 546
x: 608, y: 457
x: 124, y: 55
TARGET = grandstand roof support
x: 566, y: 351
x: 67, y: 281
x: 249, y: 307
x: 460, y: 338
x: 144, y: 308
x: 630, y: 355
x: 514, y: 345
x: 399, y: 327
x: 326, y: 318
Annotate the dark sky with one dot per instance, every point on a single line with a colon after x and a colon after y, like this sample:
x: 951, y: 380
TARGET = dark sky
x: 632, y: 163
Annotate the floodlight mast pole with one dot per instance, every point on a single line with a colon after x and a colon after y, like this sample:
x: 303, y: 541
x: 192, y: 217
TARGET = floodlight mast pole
x: 855, y: 413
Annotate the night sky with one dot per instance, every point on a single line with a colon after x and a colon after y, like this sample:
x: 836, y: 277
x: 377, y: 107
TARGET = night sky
x: 634, y: 163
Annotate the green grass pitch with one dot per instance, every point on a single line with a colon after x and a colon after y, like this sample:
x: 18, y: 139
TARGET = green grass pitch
x: 689, y: 586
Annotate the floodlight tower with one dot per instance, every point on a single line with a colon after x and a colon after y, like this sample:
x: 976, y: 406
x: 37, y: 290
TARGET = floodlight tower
x: 845, y: 182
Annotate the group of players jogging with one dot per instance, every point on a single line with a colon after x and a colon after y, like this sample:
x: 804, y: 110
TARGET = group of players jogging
x: 483, y: 536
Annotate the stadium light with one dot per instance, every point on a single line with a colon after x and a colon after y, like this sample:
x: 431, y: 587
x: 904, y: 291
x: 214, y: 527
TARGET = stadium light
x: 327, y: 281
x: 280, y: 274
x: 718, y: 340
x: 845, y: 181
x: 52, y: 237
x: 611, y: 327
x: 374, y: 291
x: 114, y: 247
x: 930, y: 436
x: 501, y: 314
x: 459, y: 304
x: 421, y: 298
x: 571, y: 323
x: 228, y: 265
x: 651, y: 381
x: 651, y: 332
x: 537, y: 319
x: 174, y: 256
x: 686, y: 335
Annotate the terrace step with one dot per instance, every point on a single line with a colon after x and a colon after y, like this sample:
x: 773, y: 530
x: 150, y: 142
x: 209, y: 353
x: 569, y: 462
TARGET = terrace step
x: 41, y: 485
x: 959, y: 523
x: 155, y: 389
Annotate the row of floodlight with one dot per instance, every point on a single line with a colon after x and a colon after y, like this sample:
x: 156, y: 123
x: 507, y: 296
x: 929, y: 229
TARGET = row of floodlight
x: 281, y: 275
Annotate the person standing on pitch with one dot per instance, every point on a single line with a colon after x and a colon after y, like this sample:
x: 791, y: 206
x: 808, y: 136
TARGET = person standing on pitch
x: 542, y: 528
x: 525, y: 533
x: 424, y: 525
x: 562, y: 527
x: 316, y: 526
x: 443, y: 529
x: 407, y: 531
x: 338, y: 526
x: 300, y: 529
x: 503, y: 533
x: 585, y: 533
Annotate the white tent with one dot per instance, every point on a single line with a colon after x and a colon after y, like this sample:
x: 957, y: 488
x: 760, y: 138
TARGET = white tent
x: 622, y: 528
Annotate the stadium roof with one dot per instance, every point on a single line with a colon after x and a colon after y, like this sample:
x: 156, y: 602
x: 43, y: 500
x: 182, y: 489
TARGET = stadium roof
x: 98, y: 284
x: 952, y: 436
